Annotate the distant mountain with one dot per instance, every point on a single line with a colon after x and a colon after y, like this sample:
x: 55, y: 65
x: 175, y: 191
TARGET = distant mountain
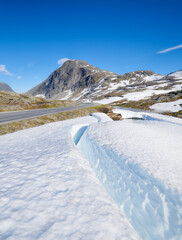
x: 79, y: 80
x: 5, y: 87
x: 69, y: 79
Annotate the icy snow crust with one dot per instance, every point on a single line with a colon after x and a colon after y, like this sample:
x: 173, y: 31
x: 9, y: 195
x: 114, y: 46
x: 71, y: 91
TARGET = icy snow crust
x: 139, y: 163
x: 48, y: 190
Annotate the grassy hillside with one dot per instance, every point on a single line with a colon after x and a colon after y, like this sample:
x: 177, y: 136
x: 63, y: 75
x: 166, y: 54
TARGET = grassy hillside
x: 10, y: 101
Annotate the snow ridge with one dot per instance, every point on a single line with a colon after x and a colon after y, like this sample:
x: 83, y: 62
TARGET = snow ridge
x: 154, y: 210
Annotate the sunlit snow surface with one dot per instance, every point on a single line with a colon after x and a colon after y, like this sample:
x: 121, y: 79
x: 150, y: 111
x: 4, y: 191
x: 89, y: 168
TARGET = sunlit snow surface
x: 139, y: 163
x: 48, y: 190
x: 174, y: 106
x: 108, y: 100
x: 177, y: 74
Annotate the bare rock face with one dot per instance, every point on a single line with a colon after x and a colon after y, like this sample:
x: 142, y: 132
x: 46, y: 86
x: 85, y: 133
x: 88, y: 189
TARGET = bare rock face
x: 5, y: 87
x: 73, y: 75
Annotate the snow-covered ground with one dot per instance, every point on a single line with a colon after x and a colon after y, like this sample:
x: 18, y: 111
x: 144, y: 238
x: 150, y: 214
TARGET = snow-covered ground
x: 108, y: 100
x: 48, y: 190
x: 139, y: 163
x: 174, y: 106
x: 135, y: 96
x: 138, y: 94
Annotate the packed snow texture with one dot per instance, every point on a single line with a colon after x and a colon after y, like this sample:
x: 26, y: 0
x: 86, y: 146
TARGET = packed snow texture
x: 49, y: 191
x: 108, y: 100
x: 139, y: 163
x: 174, y: 106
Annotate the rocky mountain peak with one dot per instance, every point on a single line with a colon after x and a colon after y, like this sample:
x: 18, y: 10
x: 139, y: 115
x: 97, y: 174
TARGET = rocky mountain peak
x: 74, y: 63
x: 73, y: 75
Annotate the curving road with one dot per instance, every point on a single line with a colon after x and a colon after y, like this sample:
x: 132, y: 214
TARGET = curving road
x: 6, y: 117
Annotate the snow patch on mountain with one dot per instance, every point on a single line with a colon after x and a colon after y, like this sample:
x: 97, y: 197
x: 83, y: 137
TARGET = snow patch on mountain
x: 108, y: 100
x: 174, y: 106
x: 177, y: 74
x: 154, y: 77
x: 138, y: 95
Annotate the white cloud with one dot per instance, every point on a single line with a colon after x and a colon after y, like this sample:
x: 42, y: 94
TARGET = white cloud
x: 170, y: 49
x: 62, y: 60
x: 4, y: 70
x: 19, y: 77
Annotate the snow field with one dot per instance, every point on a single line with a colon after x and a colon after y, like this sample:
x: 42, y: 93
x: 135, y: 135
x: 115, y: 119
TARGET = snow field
x: 139, y: 163
x: 109, y: 100
x: 135, y: 96
x: 48, y: 190
x: 174, y: 106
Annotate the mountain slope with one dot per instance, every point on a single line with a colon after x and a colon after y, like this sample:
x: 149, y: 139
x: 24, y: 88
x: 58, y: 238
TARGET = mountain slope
x: 5, y: 87
x: 73, y: 76
x: 11, y: 101
x: 78, y: 80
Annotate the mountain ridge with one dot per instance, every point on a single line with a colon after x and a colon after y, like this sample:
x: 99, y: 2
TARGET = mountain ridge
x: 79, y: 80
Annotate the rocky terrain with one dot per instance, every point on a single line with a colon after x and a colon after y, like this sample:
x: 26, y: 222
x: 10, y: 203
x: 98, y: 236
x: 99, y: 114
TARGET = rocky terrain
x: 78, y: 80
x: 5, y: 87
x: 73, y: 80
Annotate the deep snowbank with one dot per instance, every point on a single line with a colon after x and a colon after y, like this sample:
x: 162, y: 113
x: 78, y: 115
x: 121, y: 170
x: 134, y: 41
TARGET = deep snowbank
x: 48, y: 190
x: 139, y: 163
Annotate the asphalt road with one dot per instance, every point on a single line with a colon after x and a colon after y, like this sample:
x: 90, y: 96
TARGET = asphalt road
x: 6, y: 117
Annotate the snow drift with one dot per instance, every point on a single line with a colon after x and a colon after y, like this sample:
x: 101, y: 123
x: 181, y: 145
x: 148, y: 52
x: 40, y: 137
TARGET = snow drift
x: 48, y: 190
x: 139, y: 164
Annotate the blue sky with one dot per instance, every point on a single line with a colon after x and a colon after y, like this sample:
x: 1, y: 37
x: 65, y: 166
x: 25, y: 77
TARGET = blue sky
x: 120, y: 36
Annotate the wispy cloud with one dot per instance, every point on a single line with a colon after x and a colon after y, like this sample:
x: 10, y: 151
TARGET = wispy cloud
x: 19, y: 77
x: 170, y: 49
x: 62, y: 60
x: 4, y: 70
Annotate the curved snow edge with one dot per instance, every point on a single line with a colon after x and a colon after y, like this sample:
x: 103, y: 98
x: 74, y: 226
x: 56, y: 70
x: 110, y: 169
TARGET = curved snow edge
x: 152, y: 209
